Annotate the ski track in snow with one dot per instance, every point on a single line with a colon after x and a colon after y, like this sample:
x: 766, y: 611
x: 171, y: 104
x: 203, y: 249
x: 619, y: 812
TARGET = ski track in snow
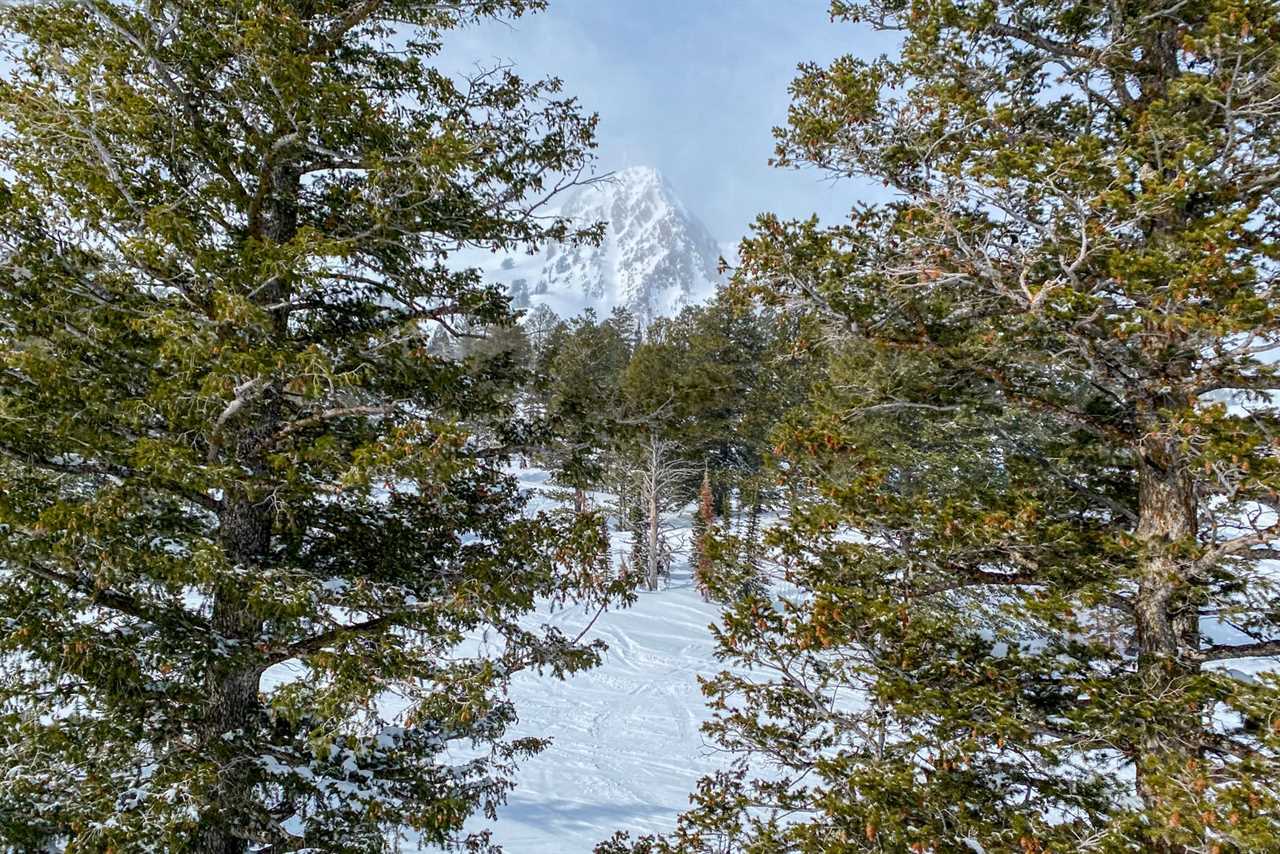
x: 626, y: 747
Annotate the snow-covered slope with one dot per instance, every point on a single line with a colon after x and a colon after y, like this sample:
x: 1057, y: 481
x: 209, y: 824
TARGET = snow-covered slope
x: 626, y: 747
x: 656, y: 256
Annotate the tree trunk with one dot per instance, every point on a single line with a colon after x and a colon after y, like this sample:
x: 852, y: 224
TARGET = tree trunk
x: 703, y: 521
x: 636, y: 523
x: 751, y: 536
x: 233, y: 711
x: 605, y: 564
x: 1166, y: 613
x: 652, y: 527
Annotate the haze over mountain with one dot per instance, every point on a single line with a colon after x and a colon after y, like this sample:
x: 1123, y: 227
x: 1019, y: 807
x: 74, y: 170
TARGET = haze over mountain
x: 656, y: 256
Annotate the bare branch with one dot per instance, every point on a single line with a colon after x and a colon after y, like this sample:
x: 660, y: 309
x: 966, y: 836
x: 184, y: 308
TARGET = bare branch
x: 330, y: 415
x: 1220, y: 652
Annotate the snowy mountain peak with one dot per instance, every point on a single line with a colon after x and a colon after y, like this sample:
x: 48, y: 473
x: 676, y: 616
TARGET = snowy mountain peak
x: 638, y: 177
x: 656, y: 256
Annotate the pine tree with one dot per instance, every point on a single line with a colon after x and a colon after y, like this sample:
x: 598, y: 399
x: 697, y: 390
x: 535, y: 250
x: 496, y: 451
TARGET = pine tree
x: 248, y: 517
x: 584, y: 366
x: 1035, y: 491
x: 703, y: 531
x: 541, y: 325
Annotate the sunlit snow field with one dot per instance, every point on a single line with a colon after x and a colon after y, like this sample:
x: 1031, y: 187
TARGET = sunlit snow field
x: 626, y: 748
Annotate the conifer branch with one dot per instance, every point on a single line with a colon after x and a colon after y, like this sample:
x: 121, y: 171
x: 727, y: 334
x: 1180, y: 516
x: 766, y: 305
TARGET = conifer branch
x: 1242, y: 546
x: 91, y: 468
x: 115, y: 600
x: 315, y: 643
x: 1220, y: 652
x: 330, y: 415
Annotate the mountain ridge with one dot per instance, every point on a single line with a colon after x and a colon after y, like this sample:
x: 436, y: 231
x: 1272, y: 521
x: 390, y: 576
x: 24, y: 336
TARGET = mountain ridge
x: 655, y: 258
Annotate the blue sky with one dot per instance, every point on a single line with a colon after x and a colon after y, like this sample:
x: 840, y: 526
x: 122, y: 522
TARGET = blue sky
x: 690, y: 87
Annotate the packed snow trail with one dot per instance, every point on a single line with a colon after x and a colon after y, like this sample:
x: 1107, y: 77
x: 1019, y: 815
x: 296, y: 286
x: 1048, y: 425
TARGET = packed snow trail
x: 626, y: 748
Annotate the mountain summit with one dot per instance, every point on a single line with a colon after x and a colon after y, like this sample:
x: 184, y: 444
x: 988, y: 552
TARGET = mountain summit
x: 656, y: 256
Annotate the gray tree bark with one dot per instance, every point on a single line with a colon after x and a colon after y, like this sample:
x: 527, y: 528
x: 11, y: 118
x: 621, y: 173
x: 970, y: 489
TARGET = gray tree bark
x: 1166, y: 612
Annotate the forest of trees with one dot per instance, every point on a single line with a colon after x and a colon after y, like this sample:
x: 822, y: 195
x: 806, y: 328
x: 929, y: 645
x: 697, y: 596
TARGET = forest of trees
x: 638, y: 424
x: 985, y: 480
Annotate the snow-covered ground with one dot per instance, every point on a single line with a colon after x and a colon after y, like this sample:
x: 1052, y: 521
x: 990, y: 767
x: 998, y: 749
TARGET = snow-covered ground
x: 626, y: 749
x: 626, y: 743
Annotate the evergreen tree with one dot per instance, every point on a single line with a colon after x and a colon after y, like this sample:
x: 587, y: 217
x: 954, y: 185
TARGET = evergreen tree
x: 500, y: 353
x: 703, y: 527
x: 719, y: 377
x: 730, y: 384
x: 624, y: 321
x: 541, y: 325
x: 582, y: 377
x: 1035, y: 491
x: 544, y: 330
x: 228, y: 453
